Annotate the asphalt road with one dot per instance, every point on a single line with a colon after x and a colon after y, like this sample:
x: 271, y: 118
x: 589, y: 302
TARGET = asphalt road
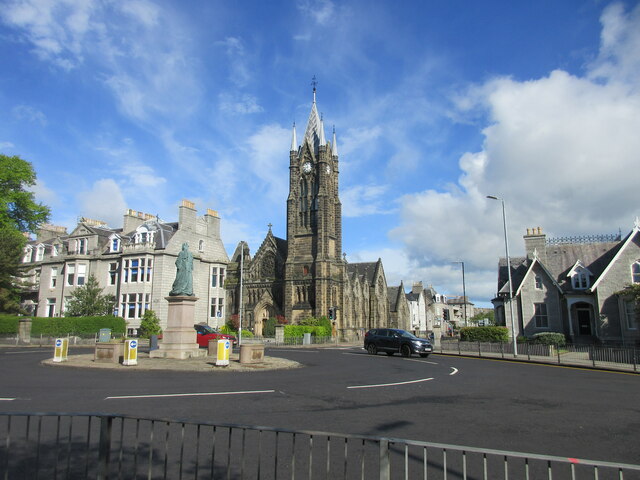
x: 462, y: 401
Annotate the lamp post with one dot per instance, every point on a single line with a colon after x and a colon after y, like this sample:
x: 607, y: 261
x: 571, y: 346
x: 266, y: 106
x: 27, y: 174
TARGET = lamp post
x: 506, y: 246
x: 241, y: 304
x: 464, y: 296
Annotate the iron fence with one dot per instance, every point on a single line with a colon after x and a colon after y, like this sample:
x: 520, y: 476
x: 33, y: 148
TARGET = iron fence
x: 85, y: 446
x: 595, y: 356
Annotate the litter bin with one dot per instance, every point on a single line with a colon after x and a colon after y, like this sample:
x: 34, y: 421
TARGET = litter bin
x: 104, y: 335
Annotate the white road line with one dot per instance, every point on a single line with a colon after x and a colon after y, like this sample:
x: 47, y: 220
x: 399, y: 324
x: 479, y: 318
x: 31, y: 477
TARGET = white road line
x: 455, y: 370
x: 392, y: 384
x: 421, y: 361
x: 165, y: 395
x: 296, y: 351
x: 6, y: 399
x: 28, y: 351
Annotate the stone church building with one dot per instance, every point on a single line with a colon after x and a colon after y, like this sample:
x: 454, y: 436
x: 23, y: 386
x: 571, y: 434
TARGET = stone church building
x: 306, y: 274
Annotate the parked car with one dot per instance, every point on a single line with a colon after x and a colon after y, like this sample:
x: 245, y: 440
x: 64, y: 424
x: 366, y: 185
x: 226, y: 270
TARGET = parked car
x: 393, y: 340
x: 206, y: 333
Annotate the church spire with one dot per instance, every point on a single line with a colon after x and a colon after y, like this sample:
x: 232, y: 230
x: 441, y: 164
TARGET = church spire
x: 294, y: 141
x: 322, y: 142
x: 312, y: 133
x: 334, y: 145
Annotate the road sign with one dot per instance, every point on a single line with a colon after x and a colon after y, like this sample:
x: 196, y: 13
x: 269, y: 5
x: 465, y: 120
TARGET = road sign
x: 130, y: 352
x: 61, y: 350
x: 224, y: 349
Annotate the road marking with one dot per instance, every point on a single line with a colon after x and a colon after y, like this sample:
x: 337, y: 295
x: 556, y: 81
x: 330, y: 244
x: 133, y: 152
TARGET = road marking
x: 391, y: 384
x: 455, y: 370
x: 6, y: 399
x: 421, y: 361
x: 295, y: 351
x: 165, y: 395
x: 27, y: 351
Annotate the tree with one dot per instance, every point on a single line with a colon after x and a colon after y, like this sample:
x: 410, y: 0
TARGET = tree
x: 632, y: 292
x: 18, y: 209
x: 18, y: 213
x: 150, y: 324
x: 88, y: 301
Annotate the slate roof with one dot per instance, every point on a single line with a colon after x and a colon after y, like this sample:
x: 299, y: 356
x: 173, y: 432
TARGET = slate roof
x: 560, y: 259
x: 364, y: 269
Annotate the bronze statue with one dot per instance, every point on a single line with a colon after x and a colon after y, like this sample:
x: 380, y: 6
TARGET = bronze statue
x: 183, y: 284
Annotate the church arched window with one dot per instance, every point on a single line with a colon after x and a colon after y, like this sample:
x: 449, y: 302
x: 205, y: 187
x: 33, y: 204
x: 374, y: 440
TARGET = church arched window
x: 304, y: 192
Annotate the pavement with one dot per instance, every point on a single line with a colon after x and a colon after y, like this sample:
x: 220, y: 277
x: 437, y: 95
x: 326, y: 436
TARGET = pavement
x: 198, y: 364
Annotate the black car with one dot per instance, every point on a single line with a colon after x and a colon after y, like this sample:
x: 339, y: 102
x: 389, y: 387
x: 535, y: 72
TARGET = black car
x: 393, y: 340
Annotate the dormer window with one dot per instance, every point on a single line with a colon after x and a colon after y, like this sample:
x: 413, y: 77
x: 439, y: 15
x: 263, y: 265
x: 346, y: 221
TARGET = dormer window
x: 27, y: 254
x: 580, y: 279
x: 635, y: 272
x: 580, y: 276
x: 40, y: 253
x: 81, y: 246
x: 114, y: 244
x: 144, y: 235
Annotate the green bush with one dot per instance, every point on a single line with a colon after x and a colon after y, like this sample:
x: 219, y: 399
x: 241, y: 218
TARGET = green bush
x: 149, y: 325
x: 8, y: 324
x: 298, y: 331
x: 269, y: 328
x: 63, y: 326
x: 550, y: 338
x: 484, y: 334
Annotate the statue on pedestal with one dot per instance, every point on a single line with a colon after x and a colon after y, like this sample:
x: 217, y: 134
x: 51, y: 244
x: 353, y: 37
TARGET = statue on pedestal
x: 183, y: 284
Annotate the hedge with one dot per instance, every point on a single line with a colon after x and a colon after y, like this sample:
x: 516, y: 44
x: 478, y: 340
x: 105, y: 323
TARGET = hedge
x: 298, y: 331
x: 550, y: 338
x: 484, y: 334
x: 61, y: 326
x: 8, y: 324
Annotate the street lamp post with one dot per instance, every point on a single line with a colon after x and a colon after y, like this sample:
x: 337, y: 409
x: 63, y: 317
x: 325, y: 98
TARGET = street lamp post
x: 464, y: 296
x: 240, y: 306
x: 506, y: 246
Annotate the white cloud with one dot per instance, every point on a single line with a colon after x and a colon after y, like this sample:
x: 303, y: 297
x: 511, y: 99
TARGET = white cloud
x: 561, y: 150
x: 239, y: 104
x: 322, y: 11
x: 30, y: 114
x: 104, y: 201
x: 264, y: 157
x: 360, y: 200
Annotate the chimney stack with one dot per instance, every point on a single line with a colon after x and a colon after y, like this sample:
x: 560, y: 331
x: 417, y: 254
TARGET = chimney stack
x: 536, y: 241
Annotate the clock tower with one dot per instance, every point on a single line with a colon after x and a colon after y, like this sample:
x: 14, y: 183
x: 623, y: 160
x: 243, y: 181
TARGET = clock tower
x: 314, y: 269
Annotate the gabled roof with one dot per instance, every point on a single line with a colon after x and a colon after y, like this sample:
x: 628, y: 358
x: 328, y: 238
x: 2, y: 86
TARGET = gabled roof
x: 615, y: 255
x: 533, y: 263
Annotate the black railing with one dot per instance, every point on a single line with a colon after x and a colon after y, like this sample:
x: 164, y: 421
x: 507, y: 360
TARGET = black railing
x: 595, y: 356
x: 84, y: 446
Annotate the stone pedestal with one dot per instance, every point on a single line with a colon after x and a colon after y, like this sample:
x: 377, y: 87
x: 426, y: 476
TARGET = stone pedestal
x: 252, y: 353
x: 179, y: 338
x: 24, y: 330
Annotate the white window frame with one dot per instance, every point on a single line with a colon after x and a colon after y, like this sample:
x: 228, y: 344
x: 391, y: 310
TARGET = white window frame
x: 540, y: 316
x: 81, y: 274
x: 40, y: 253
x: 538, y: 282
x: 630, y: 314
x: 70, y: 274
x: 635, y: 272
x: 54, y: 277
x: 28, y: 253
x: 51, y: 307
x: 580, y: 279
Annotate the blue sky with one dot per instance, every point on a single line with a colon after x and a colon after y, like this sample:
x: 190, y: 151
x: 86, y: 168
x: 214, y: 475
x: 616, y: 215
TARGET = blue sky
x: 436, y: 104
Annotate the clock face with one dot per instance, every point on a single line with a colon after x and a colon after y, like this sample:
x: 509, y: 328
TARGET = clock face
x: 306, y: 167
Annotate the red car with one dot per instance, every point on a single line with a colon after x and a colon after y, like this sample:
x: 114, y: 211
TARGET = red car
x: 206, y: 333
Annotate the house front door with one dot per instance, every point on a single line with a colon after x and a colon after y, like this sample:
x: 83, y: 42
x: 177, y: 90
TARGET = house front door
x: 584, y: 321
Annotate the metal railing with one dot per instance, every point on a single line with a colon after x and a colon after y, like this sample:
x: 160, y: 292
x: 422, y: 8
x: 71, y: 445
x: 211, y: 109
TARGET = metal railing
x: 594, y: 356
x: 66, y: 446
